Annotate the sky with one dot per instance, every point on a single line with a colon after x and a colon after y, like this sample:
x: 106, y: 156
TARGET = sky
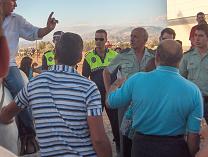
x: 94, y: 12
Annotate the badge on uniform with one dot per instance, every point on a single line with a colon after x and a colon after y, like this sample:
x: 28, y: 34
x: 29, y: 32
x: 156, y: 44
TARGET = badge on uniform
x: 93, y: 59
x: 50, y: 59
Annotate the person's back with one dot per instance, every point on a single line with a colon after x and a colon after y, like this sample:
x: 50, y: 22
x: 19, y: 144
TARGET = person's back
x: 66, y: 107
x: 59, y: 99
x: 165, y: 107
x: 160, y: 104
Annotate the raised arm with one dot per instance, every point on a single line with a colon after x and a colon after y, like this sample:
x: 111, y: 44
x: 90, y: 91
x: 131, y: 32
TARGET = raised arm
x: 51, y: 24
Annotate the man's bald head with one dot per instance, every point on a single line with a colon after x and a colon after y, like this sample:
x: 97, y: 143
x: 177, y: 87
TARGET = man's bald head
x: 139, y: 37
x: 169, y: 53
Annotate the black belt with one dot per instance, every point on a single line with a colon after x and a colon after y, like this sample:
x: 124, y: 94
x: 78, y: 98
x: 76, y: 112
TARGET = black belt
x: 205, y: 99
x: 159, y: 136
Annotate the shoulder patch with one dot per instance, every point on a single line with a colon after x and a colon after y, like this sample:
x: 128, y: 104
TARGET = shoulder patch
x: 47, y: 51
x: 87, y: 53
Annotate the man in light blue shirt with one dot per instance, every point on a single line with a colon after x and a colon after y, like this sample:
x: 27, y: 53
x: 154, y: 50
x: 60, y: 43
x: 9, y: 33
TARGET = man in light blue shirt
x: 165, y: 106
x: 15, y: 27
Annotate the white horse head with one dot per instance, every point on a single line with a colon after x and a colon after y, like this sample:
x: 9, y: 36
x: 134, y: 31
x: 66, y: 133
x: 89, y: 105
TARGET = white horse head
x: 9, y: 133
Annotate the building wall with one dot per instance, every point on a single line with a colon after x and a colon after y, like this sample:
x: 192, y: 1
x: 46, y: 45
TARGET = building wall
x: 181, y: 16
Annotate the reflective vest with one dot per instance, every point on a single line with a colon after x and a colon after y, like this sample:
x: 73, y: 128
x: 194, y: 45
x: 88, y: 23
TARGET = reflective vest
x: 96, y: 63
x: 50, y: 58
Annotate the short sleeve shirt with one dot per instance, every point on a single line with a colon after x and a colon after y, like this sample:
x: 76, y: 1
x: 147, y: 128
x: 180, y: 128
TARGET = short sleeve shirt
x: 194, y: 67
x: 61, y: 100
x: 128, y: 63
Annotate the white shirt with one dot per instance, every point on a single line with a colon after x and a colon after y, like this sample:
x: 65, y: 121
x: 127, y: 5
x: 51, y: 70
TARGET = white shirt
x: 15, y: 27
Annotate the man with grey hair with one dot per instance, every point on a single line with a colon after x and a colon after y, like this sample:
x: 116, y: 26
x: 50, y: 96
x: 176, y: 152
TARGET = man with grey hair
x: 165, y: 107
x: 129, y: 62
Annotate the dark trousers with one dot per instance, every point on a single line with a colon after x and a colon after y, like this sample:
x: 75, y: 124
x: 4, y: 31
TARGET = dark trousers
x: 126, y: 146
x: 113, y: 118
x: 125, y: 142
x: 159, y: 146
x: 206, y: 108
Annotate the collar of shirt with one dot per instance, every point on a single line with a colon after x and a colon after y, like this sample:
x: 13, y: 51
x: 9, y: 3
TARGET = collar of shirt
x: 168, y: 69
x: 106, y: 51
x: 62, y: 68
x: 7, y: 18
x: 196, y: 52
x: 146, y: 52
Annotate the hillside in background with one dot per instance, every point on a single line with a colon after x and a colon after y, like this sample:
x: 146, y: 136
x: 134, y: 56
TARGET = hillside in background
x: 115, y: 33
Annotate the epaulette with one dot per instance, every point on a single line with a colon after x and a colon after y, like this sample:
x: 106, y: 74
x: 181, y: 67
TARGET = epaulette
x: 48, y: 51
x: 151, y: 51
x: 191, y: 49
x: 125, y: 50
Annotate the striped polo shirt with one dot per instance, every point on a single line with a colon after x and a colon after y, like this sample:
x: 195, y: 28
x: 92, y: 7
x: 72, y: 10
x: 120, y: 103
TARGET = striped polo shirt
x: 61, y: 99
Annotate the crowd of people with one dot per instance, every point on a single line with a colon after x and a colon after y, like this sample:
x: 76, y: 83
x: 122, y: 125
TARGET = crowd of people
x: 155, y: 99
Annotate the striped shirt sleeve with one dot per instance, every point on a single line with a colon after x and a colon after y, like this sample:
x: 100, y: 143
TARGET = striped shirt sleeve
x: 22, y: 98
x: 93, y: 100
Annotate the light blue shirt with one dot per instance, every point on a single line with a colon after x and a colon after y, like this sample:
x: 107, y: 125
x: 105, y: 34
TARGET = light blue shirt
x: 164, y: 103
x: 15, y: 27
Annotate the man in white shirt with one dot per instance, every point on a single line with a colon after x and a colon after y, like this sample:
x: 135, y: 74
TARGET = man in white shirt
x: 15, y: 27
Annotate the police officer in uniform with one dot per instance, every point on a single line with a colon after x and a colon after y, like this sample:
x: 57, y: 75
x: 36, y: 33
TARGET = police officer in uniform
x: 94, y: 63
x: 194, y: 65
x: 48, y: 58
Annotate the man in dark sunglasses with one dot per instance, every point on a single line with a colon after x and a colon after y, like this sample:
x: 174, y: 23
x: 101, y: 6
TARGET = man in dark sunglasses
x: 94, y: 63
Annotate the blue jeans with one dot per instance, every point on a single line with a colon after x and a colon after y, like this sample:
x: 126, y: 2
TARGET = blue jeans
x: 15, y: 83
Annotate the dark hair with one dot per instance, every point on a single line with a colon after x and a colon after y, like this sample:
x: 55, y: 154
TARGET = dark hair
x: 69, y: 49
x: 25, y: 65
x: 169, y: 31
x: 58, y: 33
x: 167, y: 57
x: 180, y: 42
x: 101, y: 31
x: 203, y: 27
x: 200, y: 13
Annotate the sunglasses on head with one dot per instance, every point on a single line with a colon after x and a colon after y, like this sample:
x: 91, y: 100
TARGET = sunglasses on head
x: 100, y: 39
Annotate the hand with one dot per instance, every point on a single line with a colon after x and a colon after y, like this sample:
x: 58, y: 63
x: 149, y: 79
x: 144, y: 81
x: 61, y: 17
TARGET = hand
x: 34, y: 65
x: 51, y: 23
x: 2, y: 118
x: 117, y: 84
x: 204, y: 129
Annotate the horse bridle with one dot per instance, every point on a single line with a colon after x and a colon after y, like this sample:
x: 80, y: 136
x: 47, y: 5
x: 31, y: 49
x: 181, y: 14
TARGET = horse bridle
x: 2, y: 96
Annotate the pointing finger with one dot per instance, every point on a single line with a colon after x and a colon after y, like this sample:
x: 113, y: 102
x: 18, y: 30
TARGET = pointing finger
x: 51, y: 14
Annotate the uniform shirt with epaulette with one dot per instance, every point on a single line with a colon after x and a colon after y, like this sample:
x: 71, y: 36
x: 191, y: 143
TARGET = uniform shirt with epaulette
x: 128, y: 63
x: 94, y: 65
x: 194, y: 67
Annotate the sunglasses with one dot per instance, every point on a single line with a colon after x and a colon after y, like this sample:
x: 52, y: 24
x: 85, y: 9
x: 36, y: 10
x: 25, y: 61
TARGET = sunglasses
x: 100, y: 39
